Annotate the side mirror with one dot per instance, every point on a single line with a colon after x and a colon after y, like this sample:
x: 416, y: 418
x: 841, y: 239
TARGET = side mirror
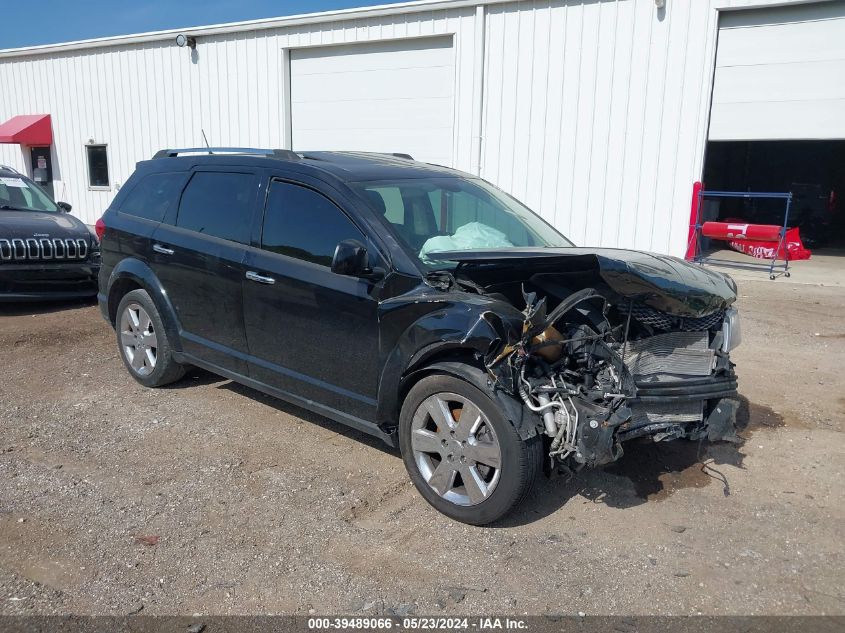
x: 64, y: 206
x: 350, y: 258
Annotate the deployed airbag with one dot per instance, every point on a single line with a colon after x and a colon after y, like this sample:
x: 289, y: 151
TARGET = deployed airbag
x: 473, y: 235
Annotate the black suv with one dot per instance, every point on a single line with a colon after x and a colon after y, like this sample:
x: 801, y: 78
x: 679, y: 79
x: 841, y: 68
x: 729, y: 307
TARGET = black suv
x: 45, y: 253
x: 419, y: 304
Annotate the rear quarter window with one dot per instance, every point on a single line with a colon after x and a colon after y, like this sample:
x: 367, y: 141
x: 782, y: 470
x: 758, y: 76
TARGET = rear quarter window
x: 152, y: 196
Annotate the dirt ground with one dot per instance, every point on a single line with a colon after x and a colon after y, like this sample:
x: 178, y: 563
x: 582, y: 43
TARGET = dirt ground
x: 210, y: 498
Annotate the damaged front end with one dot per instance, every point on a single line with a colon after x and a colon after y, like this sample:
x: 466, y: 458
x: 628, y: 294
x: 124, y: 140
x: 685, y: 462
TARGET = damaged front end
x: 601, y: 366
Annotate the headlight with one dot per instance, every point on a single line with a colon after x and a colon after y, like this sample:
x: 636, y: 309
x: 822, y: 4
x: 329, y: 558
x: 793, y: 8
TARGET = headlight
x: 731, y: 332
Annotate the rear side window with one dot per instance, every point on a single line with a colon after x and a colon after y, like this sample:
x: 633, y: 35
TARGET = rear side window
x: 301, y: 223
x: 217, y: 203
x: 152, y: 196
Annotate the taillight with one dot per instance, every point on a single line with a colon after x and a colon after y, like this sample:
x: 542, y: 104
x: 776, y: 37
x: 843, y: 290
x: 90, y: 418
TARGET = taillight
x: 100, y: 229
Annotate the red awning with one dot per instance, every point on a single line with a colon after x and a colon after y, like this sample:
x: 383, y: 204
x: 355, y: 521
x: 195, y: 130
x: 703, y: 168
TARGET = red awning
x: 27, y: 129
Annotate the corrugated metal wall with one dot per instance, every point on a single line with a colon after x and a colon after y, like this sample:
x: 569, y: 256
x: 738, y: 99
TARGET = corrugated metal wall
x: 593, y: 115
x: 594, y: 112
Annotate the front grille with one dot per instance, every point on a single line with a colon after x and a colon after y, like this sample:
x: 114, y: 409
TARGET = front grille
x: 43, y: 249
x: 662, y: 321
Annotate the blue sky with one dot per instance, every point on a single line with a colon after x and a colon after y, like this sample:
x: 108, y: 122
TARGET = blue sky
x: 27, y: 23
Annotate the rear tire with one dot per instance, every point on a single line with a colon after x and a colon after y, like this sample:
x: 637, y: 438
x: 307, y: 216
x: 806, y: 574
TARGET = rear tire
x: 465, y: 458
x: 142, y: 341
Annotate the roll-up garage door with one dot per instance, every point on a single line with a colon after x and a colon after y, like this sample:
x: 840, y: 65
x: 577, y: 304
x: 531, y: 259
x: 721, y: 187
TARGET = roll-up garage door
x: 780, y: 74
x: 392, y: 96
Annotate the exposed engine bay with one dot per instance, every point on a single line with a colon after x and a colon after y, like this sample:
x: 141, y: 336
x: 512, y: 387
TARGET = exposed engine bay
x: 600, y: 368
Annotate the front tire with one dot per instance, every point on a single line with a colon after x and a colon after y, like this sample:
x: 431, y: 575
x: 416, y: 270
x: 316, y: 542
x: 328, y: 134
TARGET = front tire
x: 143, y: 343
x: 465, y: 458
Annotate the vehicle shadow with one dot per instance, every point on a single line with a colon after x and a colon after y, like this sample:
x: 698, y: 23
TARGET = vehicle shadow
x: 196, y: 377
x: 27, y: 308
x: 308, y: 416
x: 648, y: 472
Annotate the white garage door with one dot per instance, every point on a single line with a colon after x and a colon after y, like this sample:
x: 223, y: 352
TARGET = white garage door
x: 780, y: 74
x: 394, y: 96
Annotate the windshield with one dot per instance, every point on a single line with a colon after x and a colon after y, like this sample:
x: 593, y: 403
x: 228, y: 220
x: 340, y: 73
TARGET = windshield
x: 19, y: 193
x: 456, y: 214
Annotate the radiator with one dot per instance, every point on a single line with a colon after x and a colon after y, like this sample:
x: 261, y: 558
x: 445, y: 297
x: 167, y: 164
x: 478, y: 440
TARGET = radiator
x: 666, y: 358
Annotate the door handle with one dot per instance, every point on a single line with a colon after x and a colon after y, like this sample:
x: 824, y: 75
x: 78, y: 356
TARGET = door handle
x: 253, y: 276
x: 158, y: 248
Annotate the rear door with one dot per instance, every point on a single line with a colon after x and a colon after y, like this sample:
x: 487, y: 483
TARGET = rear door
x: 311, y: 333
x: 198, y: 257
x: 140, y: 209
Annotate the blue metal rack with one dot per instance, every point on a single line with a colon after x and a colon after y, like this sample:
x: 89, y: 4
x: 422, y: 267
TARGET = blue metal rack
x: 773, y: 265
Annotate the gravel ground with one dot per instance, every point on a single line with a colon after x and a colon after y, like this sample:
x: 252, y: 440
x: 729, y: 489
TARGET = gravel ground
x: 209, y: 498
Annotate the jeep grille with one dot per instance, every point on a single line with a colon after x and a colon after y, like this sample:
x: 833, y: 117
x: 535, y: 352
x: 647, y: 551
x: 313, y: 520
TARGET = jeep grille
x: 43, y: 249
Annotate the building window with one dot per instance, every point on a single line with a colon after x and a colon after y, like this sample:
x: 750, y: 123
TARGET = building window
x: 98, y: 166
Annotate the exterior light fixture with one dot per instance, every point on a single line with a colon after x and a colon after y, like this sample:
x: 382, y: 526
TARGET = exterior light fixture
x: 183, y: 40
x: 660, y: 4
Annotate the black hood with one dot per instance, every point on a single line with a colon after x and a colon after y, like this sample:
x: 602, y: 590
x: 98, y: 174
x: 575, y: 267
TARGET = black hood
x: 665, y: 283
x: 27, y: 224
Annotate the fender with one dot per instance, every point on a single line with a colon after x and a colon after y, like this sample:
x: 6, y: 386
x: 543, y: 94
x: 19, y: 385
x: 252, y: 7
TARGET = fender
x: 470, y: 329
x: 140, y: 273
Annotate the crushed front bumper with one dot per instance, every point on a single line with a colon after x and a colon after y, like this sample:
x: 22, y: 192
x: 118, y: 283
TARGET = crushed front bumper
x: 708, y: 411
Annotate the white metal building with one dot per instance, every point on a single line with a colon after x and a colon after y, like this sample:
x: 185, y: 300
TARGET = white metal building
x: 596, y: 113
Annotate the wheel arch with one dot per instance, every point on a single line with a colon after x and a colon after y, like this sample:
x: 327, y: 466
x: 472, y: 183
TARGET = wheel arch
x: 467, y: 367
x: 463, y: 331
x: 133, y: 274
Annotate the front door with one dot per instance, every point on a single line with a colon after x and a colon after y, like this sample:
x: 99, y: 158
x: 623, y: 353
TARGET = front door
x: 198, y: 255
x: 311, y: 333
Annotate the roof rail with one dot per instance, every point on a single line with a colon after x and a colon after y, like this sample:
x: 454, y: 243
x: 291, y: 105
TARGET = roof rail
x: 402, y: 155
x: 285, y: 154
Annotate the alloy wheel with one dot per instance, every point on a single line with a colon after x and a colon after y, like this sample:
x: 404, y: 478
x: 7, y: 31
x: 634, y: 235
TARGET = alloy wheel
x: 456, y: 449
x: 138, y: 339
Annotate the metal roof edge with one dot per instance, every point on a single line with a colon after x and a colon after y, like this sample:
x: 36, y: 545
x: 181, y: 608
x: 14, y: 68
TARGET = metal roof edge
x: 415, y: 6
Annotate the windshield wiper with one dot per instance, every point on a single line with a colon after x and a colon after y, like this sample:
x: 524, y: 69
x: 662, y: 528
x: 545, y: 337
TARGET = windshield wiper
x: 11, y: 207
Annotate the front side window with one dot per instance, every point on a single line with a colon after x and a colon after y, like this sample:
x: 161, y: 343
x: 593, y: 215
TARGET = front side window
x: 218, y: 204
x: 304, y: 224
x: 98, y: 166
x: 18, y: 193
x: 152, y: 196
x: 456, y: 214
